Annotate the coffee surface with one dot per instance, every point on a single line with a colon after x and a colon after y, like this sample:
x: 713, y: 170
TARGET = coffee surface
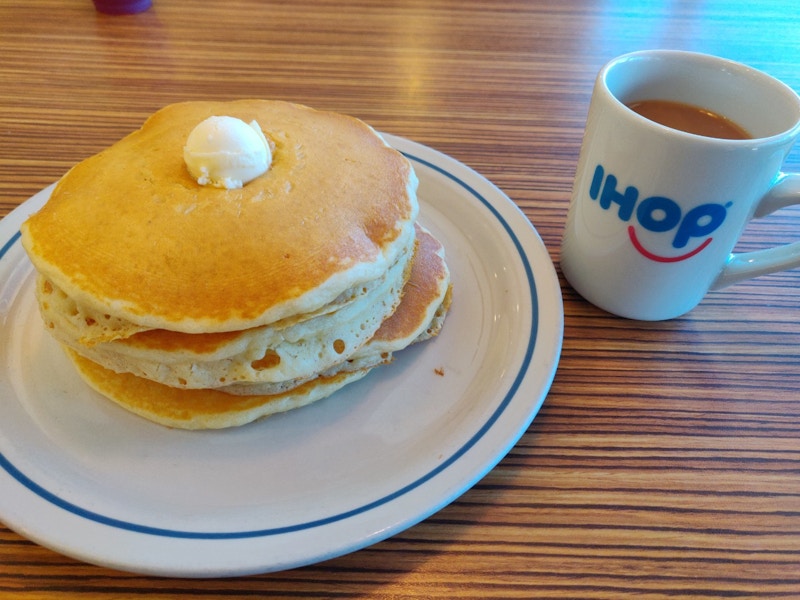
x: 689, y: 118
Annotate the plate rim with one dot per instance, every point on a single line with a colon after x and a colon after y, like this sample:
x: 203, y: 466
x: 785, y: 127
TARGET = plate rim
x: 502, y: 208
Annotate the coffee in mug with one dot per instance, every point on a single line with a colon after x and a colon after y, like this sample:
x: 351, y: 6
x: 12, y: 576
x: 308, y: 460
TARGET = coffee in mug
x: 688, y: 118
x: 657, y: 208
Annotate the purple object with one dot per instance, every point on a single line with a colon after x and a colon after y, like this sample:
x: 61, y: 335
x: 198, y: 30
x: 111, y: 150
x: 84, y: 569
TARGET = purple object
x: 122, y: 7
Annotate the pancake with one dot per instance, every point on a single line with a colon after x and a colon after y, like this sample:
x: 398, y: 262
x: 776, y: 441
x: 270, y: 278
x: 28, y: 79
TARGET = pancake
x: 201, y: 409
x: 212, y: 302
x: 130, y: 234
x: 426, y: 299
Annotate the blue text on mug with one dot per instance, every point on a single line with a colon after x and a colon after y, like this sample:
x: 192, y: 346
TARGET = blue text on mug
x: 659, y: 215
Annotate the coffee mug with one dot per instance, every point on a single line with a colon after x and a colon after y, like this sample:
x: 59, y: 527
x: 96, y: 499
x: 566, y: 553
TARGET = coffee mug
x: 656, y: 211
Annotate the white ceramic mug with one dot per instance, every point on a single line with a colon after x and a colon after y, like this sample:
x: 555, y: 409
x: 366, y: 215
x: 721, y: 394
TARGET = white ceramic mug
x: 656, y: 212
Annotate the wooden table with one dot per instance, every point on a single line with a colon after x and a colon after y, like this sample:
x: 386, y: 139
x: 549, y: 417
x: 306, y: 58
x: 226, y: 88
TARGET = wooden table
x: 666, y: 459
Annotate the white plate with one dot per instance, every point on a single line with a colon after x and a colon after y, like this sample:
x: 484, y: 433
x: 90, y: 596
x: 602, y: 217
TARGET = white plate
x: 89, y: 480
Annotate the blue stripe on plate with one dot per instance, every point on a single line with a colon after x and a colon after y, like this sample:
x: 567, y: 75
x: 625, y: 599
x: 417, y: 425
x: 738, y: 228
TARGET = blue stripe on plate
x: 7, y: 246
x: 212, y: 535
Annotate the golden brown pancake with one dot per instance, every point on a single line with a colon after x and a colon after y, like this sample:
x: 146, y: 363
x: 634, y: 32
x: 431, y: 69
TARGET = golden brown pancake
x: 204, y: 307
x: 132, y: 234
x: 425, y: 294
x: 201, y: 409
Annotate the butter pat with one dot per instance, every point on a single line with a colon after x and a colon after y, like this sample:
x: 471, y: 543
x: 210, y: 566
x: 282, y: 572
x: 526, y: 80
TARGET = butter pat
x: 226, y: 152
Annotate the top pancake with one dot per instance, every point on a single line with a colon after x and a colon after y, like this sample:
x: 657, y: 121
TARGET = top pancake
x: 130, y: 233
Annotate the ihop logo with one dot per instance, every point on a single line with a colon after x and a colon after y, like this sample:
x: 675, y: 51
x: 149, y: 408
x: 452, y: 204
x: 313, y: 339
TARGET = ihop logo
x: 661, y: 215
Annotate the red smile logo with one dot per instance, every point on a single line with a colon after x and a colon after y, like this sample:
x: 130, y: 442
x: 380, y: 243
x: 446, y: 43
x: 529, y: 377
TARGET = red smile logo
x: 664, y: 259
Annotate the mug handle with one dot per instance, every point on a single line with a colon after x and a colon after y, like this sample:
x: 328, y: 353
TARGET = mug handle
x: 785, y: 192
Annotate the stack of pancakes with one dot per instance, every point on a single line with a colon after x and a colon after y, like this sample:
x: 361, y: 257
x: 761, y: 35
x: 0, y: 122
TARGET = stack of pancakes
x: 203, y: 307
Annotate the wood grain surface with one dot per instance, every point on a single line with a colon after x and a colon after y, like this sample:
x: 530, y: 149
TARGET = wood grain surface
x: 665, y: 462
